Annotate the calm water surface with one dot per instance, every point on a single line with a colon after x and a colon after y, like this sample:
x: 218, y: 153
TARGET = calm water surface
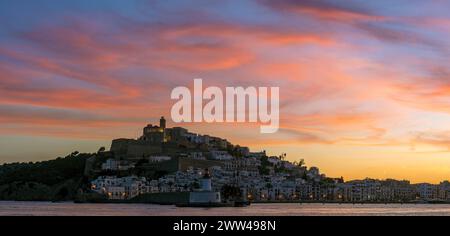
x: 278, y: 209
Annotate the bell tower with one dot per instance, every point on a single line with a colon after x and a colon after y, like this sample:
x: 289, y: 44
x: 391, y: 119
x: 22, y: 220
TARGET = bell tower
x: 162, y: 123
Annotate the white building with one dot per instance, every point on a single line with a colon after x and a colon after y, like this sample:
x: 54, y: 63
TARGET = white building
x: 196, y: 155
x: 205, y: 193
x: 257, y: 154
x: 221, y: 155
x: 110, y: 164
x: 116, y: 192
x: 120, y: 188
x: 196, y: 138
x: 427, y: 191
x: 274, y: 160
x: 159, y: 158
x: 114, y: 165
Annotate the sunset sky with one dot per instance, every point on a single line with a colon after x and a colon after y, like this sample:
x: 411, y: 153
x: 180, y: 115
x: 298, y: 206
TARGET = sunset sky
x: 364, y: 85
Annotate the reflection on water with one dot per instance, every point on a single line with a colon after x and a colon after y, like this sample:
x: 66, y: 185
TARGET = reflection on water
x: 73, y: 209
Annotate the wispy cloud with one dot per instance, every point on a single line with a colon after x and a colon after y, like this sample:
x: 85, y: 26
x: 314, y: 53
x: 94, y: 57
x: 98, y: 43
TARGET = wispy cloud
x: 354, y: 75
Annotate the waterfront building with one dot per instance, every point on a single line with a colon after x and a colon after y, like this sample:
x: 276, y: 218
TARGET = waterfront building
x: 444, y: 190
x: 205, y: 193
x: 119, y: 188
x: 426, y: 191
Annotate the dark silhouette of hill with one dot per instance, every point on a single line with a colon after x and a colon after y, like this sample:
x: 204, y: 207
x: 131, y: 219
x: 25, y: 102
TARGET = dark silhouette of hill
x: 53, y: 180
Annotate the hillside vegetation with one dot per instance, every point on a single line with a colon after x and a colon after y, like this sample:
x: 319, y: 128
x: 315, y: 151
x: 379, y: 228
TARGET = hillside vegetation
x: 53, y: 180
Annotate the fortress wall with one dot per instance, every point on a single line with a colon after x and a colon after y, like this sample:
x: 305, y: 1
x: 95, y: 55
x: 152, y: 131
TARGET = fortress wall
x: 137, y: 151
x: 120, y: 146
x: 185, y: 163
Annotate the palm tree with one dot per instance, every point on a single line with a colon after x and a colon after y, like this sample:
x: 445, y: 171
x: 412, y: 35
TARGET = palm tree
x: 102, y: 149
x: 301, y: 162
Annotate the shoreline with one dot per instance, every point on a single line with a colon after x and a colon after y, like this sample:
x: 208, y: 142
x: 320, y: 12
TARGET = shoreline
x: 253, y: 202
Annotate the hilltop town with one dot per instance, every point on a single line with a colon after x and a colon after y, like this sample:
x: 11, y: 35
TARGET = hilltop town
x: 169, y: 162
x: 172, y: 165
